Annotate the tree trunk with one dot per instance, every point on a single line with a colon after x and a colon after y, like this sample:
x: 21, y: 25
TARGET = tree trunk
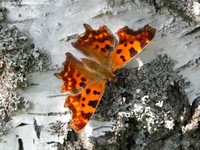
x: 154, y: 104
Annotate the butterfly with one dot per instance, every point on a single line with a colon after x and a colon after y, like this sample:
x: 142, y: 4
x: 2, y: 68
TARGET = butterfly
x: 86, y: 79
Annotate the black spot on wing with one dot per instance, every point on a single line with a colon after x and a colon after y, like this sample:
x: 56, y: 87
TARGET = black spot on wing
x: 96, y: 46
x: 131, y: 32
x: 83, y: 79
x: 96, y: 92
x: 103, y: 50
x: 86, y: 115
x: 78, y: 74
x: 122, y: 58
x: 93, y: 103
x: 132, y: 51
x: 121, y: 41
x: 151, y: 35
x: 139, y: 39
x: 79, y: 96
x: 108, y: 47
x: 88, y: 91
x: 119, y: 51
x: 82, y: 84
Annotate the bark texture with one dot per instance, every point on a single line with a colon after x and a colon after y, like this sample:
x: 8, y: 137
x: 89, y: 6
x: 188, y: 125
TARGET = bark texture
x: 153, y: 106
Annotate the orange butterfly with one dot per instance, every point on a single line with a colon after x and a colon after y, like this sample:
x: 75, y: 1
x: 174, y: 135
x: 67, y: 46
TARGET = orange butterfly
x: 86, y: 79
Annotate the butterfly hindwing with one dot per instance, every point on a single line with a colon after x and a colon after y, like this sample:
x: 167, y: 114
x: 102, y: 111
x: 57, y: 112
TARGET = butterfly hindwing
x: 84, y: 104
x: 130, y: 44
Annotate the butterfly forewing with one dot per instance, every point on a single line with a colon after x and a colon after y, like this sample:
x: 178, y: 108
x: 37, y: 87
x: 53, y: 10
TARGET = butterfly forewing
x: 74, y: 75
x: 130, y: 44
x: 97, y: 44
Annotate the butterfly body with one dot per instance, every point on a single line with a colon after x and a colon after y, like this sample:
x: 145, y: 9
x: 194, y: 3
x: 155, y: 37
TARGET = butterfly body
x: 86, y: 79
x: 103, y: 71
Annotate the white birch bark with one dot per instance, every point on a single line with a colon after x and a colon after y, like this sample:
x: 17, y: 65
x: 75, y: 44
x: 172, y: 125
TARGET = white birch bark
x: 51, y: 25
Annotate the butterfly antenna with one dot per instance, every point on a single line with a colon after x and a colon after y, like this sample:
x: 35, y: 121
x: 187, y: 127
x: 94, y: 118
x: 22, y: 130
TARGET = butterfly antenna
x: 52, y: 96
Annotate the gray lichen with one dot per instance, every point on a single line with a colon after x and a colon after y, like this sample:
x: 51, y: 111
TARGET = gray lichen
x: 18, y: 58
x: 187, y: 9
x: 151, y: 110
x: 58, y: 127
x: 2, y: 14
x: 150, y: 105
